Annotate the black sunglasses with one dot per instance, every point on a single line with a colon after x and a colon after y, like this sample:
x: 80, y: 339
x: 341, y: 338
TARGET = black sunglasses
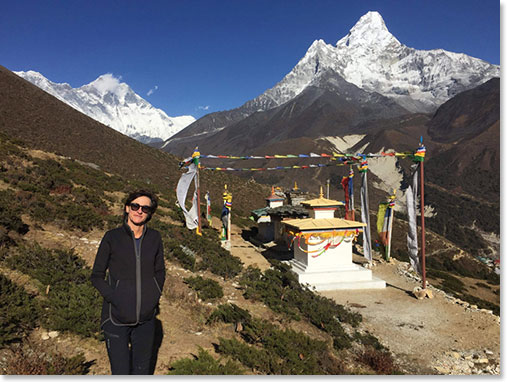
x: 135, y: 207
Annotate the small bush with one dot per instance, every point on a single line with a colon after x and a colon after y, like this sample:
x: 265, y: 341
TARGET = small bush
x: 221, y: 263
x: 229, y: 313
x: 368, y: 340
x: 10, y: 213
x: 206, y: 289
x: 379, y: 361
x: 182, y: 254
x: 72, y: 304
x: 79, y: 216
x: 19, y: 312
x: 204, y: 364
x: 74, y: 308
x: 253, y: 358
x: 50, y: 267
x: 31, y: 359
x: 209, y: 255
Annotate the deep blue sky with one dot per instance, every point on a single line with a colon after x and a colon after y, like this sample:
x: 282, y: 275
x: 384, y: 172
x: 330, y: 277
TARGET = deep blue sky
x: 218, y: 54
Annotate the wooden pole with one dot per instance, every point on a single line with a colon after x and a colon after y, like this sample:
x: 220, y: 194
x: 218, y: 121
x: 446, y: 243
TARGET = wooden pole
x: 196, y: 156
x: 199, y: 228
x: 389, y: 234
x: 367, y: 202
x: 229, y: 221
x: 423, y: 233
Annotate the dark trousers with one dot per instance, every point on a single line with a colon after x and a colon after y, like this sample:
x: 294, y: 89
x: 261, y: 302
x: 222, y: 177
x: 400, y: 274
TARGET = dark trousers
x: 130, y: 347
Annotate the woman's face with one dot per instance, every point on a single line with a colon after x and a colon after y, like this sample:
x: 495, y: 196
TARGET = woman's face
x: 138, y: 217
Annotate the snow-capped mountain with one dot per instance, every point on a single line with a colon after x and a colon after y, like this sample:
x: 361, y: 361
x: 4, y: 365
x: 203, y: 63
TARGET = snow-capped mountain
x: 370, y: 57
x: 116, y: 105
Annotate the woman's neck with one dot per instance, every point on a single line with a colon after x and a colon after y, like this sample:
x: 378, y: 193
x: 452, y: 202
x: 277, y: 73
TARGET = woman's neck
x: 136, y: 229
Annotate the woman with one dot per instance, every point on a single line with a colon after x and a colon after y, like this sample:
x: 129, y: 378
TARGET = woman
x: 133, y: 255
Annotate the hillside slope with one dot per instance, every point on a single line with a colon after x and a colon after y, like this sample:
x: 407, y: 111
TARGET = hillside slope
x: 43, y: 122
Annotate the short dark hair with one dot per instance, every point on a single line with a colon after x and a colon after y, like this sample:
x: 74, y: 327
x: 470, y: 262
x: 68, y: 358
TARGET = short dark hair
x: 136, y: 194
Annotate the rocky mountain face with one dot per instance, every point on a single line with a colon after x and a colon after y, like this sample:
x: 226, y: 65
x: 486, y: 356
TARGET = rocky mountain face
x: 330, y: 106
x: 116, y: 105
x: 372, y: 59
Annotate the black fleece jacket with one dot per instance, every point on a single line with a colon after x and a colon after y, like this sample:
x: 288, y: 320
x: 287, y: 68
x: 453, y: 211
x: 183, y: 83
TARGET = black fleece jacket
x: 135, y: 278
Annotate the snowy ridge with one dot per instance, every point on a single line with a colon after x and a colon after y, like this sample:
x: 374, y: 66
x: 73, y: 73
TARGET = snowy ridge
x: 116, y: 105
x: 370, y: 57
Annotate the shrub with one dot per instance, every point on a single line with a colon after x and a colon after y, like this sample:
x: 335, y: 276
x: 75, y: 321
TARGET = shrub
x: 204, y: 364
x: 253, y: 358
x: 273, y: 351
x: 10, y: 213
x: 368, y: 340
x: 182, y: 254
x: 206, y: 248
x: 32, y: 359
x: 72, y: 303
x: 50, y: 267
x: 19, y: 312
x: 207, y: 289
x: 279, y: 289
x: 229, y: 313
x: 79, y: 216
x: 221, y: 263
x: 379, y: 361
x: 74, y: 308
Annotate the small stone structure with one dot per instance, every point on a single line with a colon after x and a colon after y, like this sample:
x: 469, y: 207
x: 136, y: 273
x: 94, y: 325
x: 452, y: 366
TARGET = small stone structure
x: 295, y: 196
x: 269, y: 218
x: 323, y: 249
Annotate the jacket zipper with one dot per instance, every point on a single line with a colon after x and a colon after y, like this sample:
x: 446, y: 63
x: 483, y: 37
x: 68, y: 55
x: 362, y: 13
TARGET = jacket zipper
x: 138, y: 274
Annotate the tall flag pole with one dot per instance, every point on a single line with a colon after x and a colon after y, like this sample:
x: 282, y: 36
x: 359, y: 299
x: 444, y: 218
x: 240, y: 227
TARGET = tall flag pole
x: 348, y: 189
x: 226, y: 216
x: 351, y: 193
x: 391, y: 219
x: 195, y: 158
x: 385, y: 217
x: 345, y: 186
x: 365, y: 212
x: 420, y: 154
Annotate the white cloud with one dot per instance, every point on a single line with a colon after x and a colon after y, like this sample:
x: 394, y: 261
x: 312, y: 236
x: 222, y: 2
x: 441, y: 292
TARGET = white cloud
x: 107, y: 83
x: 152, y: 90
x: 203, y: 107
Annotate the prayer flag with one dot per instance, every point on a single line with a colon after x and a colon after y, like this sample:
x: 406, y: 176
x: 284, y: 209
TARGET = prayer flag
x: 191, y: 216
x: 365, y: 217
x: 412, y: 244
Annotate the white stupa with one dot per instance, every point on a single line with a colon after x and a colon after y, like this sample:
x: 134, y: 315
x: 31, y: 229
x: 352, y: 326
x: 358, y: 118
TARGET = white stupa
x: 323, y: 249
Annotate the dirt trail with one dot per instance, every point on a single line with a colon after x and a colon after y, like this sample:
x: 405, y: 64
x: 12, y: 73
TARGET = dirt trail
x: 432, y: 333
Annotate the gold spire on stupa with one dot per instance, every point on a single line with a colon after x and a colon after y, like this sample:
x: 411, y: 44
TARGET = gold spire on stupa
x: 321, y: 201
